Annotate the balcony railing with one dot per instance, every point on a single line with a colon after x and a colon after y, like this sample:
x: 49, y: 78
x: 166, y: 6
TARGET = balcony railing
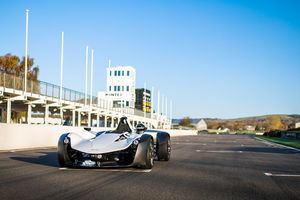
x: 50, y: 90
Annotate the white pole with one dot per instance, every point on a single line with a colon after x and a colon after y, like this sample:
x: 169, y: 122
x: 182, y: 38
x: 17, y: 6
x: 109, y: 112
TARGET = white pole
x: 86, y: 73
x: 109, y: 63
x: 92, y: 66
x: 171, y: 107
x: 162, y: 105
x: 61, y: 63
x: 158, y: 98
x: 166, y: 109
x: 152, y: 96
x: 144, y: 99
x: 26, y: 44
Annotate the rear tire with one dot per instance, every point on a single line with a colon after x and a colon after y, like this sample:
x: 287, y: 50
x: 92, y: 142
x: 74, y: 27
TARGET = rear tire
x: 163, y: 150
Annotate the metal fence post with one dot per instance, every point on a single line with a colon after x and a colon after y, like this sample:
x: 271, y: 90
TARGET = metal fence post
x: 46, y: 90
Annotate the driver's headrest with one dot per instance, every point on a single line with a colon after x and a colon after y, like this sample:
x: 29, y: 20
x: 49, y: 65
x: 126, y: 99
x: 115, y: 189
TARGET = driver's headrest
x: 141, y: 127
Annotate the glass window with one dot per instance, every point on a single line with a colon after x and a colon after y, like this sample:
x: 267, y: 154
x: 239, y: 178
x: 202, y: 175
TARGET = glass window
x: 118, y: 88
x: 115, y: 73
x: 127, y: 88
x: 122, y: 87
x: 109, y: 88
x: 128, y: 73
x: 110, y: 72
x: 119, y: 73
x: 122, y: 73
x: 115, y: 88
x: 127, y: 103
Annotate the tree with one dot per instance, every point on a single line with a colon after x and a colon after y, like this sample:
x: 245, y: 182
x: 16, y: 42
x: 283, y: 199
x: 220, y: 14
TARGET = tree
x: 273, y: 122
x: 257, y: 127
x: 11, y: 64
x: 185, y: 122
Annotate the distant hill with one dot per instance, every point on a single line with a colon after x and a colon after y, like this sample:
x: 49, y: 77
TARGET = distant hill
x: 283, y: 117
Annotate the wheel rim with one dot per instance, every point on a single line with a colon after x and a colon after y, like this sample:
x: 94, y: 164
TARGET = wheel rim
x: 169, y: 148
x: 151, y: 152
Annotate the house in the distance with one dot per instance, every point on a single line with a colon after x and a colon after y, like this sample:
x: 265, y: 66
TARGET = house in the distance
x: 297, y: 125
x: 250, y: 128
x: 199, y: 124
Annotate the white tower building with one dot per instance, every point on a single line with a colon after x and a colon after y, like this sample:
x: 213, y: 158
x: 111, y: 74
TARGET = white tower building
x: 120, y: 87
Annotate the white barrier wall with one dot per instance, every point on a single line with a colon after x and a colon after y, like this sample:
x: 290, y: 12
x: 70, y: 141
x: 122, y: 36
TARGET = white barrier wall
x: 19, y: 136
x: 174, y: 133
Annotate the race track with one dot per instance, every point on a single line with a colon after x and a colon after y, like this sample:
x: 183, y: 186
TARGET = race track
x: 201, y: 167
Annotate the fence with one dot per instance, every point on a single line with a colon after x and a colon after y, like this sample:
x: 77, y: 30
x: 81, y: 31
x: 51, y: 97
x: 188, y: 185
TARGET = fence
x: 50, y: 90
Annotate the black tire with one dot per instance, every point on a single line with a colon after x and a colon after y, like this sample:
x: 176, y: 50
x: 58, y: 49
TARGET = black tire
x: 61, y: 151
x: 163, y: 149
x: 149, y: 156
x: 61, y: 160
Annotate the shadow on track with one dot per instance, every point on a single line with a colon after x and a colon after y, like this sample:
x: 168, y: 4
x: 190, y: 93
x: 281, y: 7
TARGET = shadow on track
x: 48, y: 159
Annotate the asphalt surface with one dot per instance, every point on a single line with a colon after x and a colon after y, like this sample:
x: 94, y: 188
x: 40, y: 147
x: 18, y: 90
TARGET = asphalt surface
x: 201, y: 167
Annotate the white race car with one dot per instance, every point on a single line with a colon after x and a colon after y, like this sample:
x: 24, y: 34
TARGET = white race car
x: 123, y: 147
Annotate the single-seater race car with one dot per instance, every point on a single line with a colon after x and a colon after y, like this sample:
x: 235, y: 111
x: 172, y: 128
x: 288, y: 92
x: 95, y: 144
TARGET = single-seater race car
x: 122, y: 147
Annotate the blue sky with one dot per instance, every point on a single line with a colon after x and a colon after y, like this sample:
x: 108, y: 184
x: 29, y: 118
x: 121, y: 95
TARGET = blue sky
x: 212, y: 58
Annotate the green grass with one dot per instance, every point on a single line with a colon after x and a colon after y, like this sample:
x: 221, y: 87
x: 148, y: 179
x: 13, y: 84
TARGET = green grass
x: 294, y: 131
x: 284, y: 141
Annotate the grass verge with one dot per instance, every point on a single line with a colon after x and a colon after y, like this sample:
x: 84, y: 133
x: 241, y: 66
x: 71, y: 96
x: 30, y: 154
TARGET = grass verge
x: 284, y: 141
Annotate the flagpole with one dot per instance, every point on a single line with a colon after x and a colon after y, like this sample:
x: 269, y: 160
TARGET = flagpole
x: 61, y: 64
x: 26, y: 47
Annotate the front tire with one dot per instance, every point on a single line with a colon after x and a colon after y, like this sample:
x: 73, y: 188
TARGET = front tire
x: 62, y: 151
x: 149, y: 156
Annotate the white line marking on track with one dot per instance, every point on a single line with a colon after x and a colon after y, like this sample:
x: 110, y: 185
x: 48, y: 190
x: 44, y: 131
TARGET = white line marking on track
x: 275, y: 144
x: 286, y: 175
x: 188, y: 143
x: 222, y: 151
x: 108, y: 170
